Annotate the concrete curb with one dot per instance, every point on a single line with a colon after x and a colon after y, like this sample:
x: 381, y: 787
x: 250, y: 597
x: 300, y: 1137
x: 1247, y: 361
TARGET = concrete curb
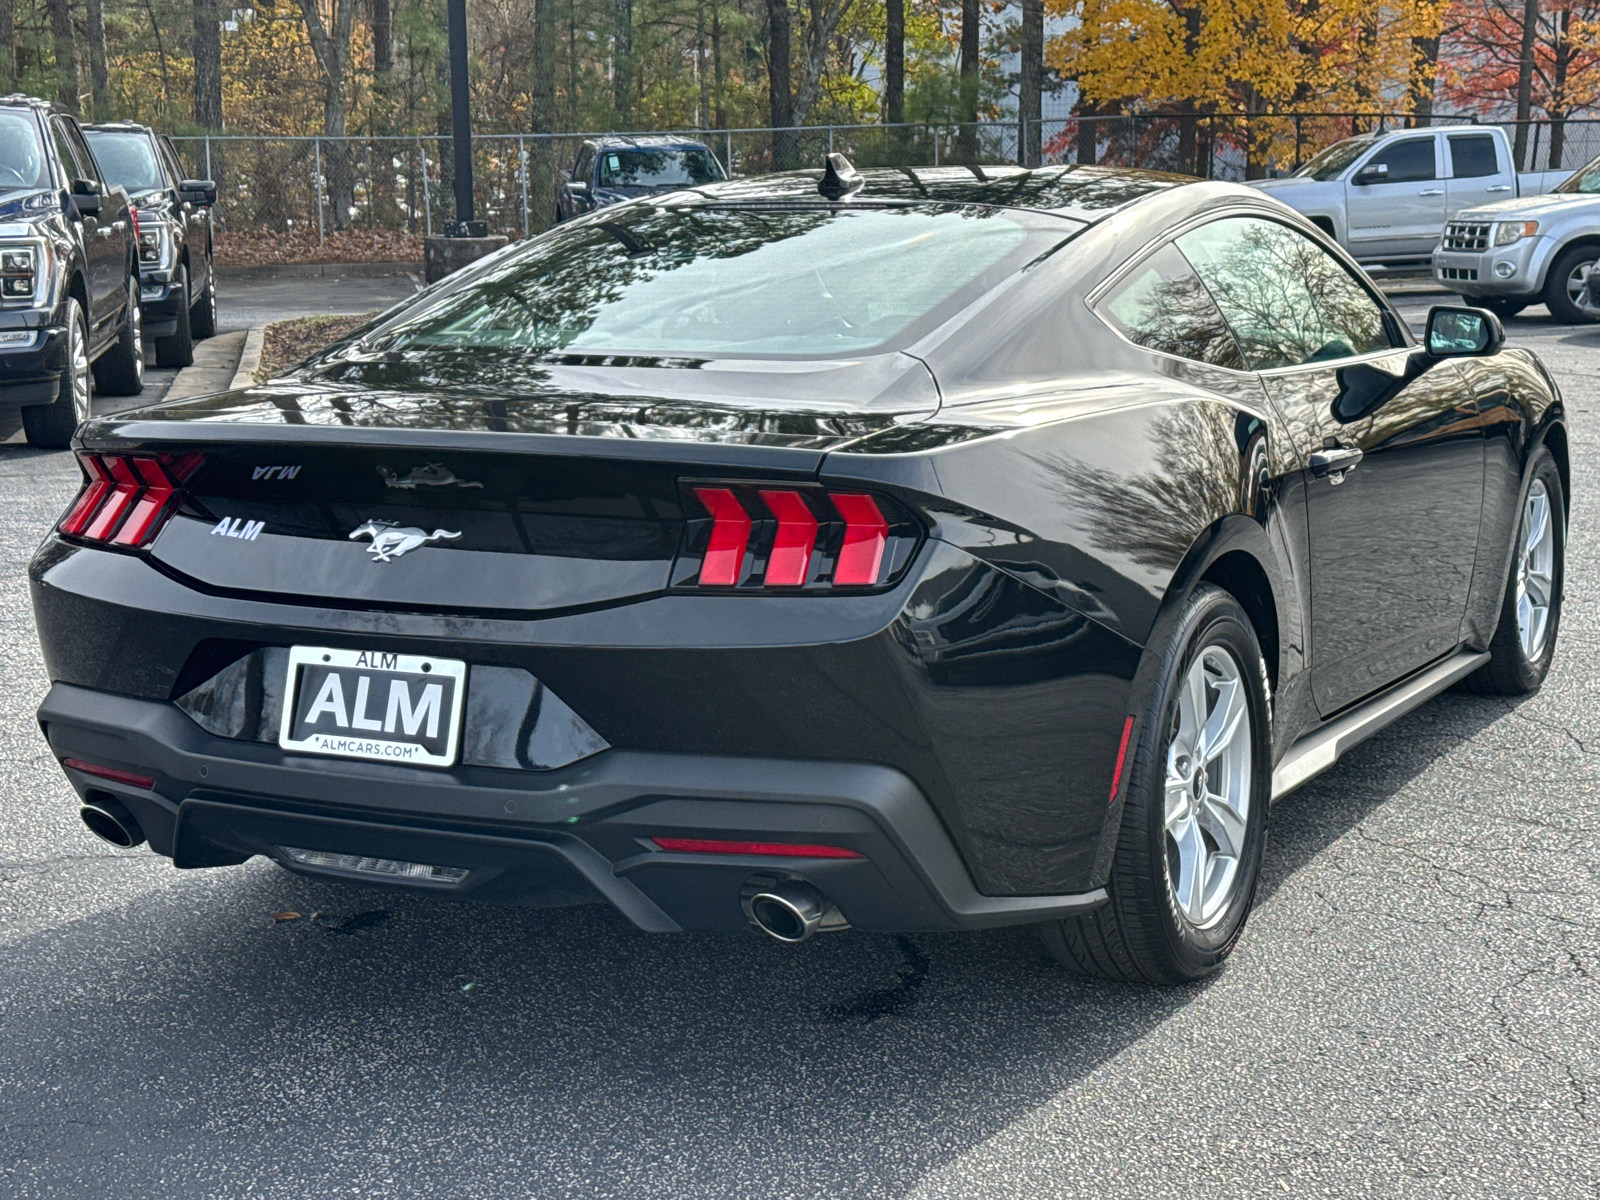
x: 227, y: 274
x: 215, y: 362
x: 249, y: 358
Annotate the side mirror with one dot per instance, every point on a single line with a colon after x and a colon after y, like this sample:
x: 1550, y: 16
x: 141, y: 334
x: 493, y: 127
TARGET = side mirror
x: 198, y: 191
x: 1462, y: 332
x: 1372, y: 173
x: 578, y: 187
x: 86, y: 196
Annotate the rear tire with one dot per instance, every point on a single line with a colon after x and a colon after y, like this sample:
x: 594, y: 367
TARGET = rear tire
x: 1524, y: 642
x: 178, y: 349
x: 51, y: 426
x: 203, y: 316
x: 1194, y: 818
x: 120, y: 371
x: 1559, y: 295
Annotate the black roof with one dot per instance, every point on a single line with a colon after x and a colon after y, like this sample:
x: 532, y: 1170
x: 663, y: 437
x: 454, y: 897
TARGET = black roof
x: 1083, y: 193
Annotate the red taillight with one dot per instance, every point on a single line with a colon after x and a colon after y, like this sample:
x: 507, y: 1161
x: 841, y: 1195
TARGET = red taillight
x: 762, y: 849
x: 112, y: 773
x: 126, y: 498
x: 865, y: 534
x: 730, y: 534
x: 789, y: 561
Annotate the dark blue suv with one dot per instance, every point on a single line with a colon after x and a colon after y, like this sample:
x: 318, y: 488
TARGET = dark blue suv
x: 609, y: 170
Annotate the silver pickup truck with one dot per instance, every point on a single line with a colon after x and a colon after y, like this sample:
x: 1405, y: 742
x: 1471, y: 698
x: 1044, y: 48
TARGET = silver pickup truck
x: 1513, y: 253
x: 1385, y: 197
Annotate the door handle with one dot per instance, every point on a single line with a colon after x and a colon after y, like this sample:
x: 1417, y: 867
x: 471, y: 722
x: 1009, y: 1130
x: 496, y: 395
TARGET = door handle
x: 1500, y: 187
x: 1432, y: 192
x: 1333, y: 464
x: 119, y: 226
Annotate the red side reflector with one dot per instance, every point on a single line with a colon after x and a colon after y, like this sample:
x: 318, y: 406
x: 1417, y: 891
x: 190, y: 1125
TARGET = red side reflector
x: 1122, y: 757
x: 790, y: 560
x: 100, y: 485
x: 730, y: 534
x: 124, y: 486
x: 766, y: 849
x: 148, y: 509
x: 865, y: 533
x: 111, y: 773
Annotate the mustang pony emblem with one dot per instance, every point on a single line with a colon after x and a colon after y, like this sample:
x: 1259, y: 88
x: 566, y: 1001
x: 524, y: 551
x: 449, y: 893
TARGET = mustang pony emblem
x: 391, y: 541
x: 431, y: 475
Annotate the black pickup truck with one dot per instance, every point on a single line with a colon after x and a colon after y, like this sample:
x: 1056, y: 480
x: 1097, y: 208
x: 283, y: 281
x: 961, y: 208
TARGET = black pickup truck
x: 70, y: 316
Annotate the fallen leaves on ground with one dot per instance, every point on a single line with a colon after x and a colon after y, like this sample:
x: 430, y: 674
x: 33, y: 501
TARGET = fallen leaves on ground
x: 301, y: 246
x: 285, y: 916
x: 285, y: 344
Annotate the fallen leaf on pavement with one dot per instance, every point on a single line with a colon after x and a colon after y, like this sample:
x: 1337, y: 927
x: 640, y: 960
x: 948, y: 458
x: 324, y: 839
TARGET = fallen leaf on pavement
x: 285, y: 916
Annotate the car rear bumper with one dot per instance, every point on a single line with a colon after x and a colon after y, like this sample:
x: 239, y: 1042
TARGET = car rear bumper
x: 579, y: 833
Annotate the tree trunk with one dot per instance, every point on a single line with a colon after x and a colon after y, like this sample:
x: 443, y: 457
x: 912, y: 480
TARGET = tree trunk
x: 161, y: 54
x: 1557, y: 107
x: 779, y: 49
x: 99, y: 78
x: 541, y: 151
x: 1030, y: 84
x: 700, y: 71
x: 207, y: 64
x: 1088, y: 130
x: 8, y: 44
x: 894, y: 63
x: 622, y: 64
x: 1530, y: 29
x: 382, y: 26
x: 1424, y: 69
x: 66, y: 48
x: 332, y: 50
x: 967, y: 113
x: 718, y: 76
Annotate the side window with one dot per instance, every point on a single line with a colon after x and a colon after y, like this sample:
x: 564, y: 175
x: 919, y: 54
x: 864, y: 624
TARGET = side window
x: 1287, y: 300
x: 169, y: 161
x: 67, y: 153
x: 1162, y: 305
x: 1410, y: 161
x: 86, y: 159
x: 1472, y: 156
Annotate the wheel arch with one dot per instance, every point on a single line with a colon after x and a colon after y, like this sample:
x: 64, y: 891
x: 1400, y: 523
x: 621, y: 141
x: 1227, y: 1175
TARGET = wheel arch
x: 1583, y: 239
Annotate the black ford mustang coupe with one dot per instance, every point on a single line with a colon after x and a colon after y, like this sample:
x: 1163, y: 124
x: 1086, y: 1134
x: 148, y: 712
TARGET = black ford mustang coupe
x: 907, y: 550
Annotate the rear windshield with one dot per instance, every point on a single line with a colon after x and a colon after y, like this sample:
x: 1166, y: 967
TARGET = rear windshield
x: 127, y: 159
x: 1334, y: 159
x: 21, y: 154
x: 657, y: 168
x: 684, y: 281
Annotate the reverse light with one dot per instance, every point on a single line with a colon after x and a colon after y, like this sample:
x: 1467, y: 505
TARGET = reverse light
x: 1508, y: 233
x: 759, y: 849
x: 126, y: 497
x: 760, y: 537
x: 114, y: 774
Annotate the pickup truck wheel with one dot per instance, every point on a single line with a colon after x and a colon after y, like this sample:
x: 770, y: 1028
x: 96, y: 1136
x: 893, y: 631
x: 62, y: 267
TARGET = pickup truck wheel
x: 1565, y: 284
x: 203, y: 316
x: 178, y: 349
x: 51, y: 426
x: 120, y: 371
x: 1194, y: 819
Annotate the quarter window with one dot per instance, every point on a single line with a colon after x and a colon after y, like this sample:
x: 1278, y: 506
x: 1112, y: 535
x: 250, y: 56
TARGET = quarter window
x: 1163, y: 306
x: 1410, y: 161
x: 1286, y: 299
x: 1472, y: 156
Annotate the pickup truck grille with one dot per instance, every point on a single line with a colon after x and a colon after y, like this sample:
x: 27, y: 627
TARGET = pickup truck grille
x: 1466, y: 237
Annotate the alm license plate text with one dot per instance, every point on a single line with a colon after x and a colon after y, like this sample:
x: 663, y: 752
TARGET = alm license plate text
x: 400, y: 708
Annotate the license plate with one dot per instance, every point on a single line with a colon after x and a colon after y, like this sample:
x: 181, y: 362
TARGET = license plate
x: 399, y: 708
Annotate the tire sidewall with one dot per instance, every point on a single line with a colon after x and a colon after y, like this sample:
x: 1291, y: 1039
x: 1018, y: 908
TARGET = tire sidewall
x: 1544, y: 470
x: 1555, y: 291
x: 1212, y: 618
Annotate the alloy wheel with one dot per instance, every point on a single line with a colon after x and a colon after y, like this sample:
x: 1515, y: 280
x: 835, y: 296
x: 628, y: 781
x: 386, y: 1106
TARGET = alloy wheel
x: 1577, y: 284
x: 1208, y: 787
x: 138, y: 336
x: 1536, y: 558
x: 78, y: 364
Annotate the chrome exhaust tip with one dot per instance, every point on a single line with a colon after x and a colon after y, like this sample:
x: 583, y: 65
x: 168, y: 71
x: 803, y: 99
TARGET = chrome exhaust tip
x: 110, y: 821
x: 790, y: 911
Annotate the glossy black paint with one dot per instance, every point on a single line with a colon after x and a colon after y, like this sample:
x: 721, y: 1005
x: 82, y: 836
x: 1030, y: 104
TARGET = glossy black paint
x: 1071, y: 487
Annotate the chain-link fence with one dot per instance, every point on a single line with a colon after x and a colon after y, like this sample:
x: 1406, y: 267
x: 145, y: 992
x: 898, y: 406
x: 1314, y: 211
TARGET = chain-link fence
x: 374, y: 198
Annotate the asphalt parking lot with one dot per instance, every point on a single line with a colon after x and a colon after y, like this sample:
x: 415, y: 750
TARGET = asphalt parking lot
x: 1414, y: 1012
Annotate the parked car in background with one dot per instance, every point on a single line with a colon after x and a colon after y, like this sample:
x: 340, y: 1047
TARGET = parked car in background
x: 1518, y: 252
x: 1385, y: 197
x: 70, y: 319
x: 179, y: 288
x: 609, y: 170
